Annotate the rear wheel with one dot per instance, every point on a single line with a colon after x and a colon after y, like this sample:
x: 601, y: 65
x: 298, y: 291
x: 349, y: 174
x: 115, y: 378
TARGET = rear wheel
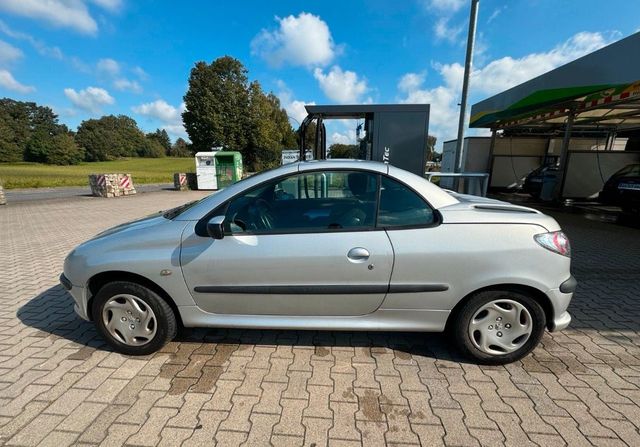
x: 497, y: 327
x: 132, y: 318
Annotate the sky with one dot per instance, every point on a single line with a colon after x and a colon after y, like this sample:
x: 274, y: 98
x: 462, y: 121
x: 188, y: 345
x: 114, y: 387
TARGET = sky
x: 87, y: 58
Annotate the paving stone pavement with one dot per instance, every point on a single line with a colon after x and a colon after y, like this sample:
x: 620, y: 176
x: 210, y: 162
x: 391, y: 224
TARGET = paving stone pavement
x: 60, y: 385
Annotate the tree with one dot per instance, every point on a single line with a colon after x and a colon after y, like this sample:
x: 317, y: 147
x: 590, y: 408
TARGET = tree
x: 216, y: 104
x: 64, y: 150
x: 111, y: 137
x: 20, y: 122
x: 338, y: 150
x: 431, y: 147
x: 224, y: 109
x: 151, y: 148
x: 9, y: 150
x: 269, y: 130
x: 181, y: 149
x: 310, y: 136
x: 162, y: 137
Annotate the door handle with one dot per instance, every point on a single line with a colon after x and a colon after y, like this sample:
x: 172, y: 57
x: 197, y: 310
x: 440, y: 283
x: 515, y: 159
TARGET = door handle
x: 358, y: 254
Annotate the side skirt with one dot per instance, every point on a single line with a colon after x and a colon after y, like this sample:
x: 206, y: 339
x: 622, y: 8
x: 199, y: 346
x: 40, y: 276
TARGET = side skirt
x: 411, y: 320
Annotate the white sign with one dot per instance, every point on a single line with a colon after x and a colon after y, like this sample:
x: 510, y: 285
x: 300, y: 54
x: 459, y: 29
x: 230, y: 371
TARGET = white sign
x: 293, y: 155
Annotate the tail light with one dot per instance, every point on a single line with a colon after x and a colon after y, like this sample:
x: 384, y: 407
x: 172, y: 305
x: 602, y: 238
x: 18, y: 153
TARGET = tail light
x: 556, y: 241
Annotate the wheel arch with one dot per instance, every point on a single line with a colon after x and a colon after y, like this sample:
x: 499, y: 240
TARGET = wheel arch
x: 97, y: 281
x: 532, y: 292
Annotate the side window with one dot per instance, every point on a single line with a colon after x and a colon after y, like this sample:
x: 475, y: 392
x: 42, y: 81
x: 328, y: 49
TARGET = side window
x: 400, y: 206
x: 308, y: 202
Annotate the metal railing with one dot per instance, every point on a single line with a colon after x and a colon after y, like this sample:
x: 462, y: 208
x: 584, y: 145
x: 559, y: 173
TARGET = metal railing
x: 480, y: 179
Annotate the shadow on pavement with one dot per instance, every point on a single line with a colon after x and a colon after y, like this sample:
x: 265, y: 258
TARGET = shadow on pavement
x: 52, y: 312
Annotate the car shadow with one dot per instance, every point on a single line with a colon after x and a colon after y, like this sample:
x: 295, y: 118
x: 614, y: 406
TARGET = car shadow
x: 52, y: 312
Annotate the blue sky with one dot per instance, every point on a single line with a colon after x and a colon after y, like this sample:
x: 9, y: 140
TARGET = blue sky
x: 85, y: 58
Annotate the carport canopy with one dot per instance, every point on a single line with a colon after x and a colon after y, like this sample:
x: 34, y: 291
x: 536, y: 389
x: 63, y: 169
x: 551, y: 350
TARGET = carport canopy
x: 597, y: 92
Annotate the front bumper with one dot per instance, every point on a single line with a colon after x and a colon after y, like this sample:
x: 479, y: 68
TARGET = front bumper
x: 79, y: 296
x: 560, y: 299
x: 561, y: 322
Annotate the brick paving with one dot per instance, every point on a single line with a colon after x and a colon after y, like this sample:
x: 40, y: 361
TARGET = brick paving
x: 60, y: 385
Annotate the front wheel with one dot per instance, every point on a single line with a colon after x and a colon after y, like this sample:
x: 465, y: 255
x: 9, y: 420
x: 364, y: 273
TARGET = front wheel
x: 498, y: 327
x: 132, y: 318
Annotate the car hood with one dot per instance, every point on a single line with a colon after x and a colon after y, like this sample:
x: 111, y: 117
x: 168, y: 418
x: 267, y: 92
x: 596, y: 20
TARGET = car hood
x: 474, y: 209
x: 145, y: 222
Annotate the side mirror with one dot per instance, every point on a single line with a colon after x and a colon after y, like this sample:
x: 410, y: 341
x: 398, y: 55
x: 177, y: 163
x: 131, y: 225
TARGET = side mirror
x: 215, y: 227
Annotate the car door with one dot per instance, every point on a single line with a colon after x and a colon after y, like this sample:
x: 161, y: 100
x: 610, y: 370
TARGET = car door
x: 423, y: 250
x: 301, y: 245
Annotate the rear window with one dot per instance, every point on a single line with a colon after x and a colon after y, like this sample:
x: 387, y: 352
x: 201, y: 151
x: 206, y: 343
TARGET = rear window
x: 401, y: 207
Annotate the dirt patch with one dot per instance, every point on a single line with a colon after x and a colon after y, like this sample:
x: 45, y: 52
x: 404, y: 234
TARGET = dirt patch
x: 189, y: 370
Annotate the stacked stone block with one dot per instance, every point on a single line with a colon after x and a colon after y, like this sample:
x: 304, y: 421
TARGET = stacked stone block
x: 185, y: 181
x: 111, y: 185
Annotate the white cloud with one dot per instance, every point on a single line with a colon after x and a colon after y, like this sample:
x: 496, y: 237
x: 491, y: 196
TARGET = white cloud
x: 340, y: 86
x: 443, y: 117
x: 447, y: 6
x: 494, y: 15
x: 411, y: 81
x: 90, y: 99
x: 501, y: 74
x: 124, y: 84
x: 443, y: 31
x: 9, y: 53
x: 140, y: 73
x: 295, y: 108
x: 110, y: 5
x: 496, y: 76
x: 10, y: 83
x: 348, y: 137
x: 160, y: 110
x: 38, y: 45
x: 304, y: 40
x: 108, y: 67
x: 60, y: 13
x: 168, y: 115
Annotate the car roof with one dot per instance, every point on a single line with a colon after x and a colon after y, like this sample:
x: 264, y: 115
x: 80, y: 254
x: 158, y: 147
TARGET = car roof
x: 342, y: 163
x: 436, y: 196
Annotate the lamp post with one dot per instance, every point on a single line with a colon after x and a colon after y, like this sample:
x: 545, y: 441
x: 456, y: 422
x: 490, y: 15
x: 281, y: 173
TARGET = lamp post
x: 471, y: 37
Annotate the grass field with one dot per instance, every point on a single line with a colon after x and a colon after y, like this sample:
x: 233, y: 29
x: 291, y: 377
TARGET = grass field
x: 143, y: 170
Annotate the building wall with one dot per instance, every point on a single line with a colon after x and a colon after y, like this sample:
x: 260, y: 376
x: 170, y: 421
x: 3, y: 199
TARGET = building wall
x: 587, y: 171
x: 515, y: 158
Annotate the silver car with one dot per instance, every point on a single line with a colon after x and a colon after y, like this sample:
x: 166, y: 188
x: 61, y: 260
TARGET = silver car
x: 334, y: 245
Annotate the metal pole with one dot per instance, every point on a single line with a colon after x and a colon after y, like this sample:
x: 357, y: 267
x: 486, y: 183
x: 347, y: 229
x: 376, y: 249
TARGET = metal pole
x: 564, y: 153
x: 492, y: 147
x: 471, y: 37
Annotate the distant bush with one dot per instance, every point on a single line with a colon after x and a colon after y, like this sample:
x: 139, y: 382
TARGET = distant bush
x: 151, y: 148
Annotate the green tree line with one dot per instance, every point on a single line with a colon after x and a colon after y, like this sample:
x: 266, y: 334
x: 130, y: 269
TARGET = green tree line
x: 30, y: 132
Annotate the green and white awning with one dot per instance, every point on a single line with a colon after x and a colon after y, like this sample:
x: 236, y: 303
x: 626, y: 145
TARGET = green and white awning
x: 601, y: 88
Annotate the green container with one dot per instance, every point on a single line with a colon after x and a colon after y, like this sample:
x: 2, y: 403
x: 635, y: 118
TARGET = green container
x: 228, y: 167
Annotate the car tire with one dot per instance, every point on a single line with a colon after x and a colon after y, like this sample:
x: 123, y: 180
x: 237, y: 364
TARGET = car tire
x: 473, y: 329
x: 133, y: 319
